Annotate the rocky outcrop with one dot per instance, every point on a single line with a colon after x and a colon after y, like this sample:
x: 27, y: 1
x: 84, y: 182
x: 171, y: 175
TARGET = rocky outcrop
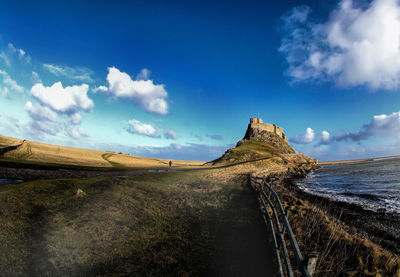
x: 288, y: 166
x: 299, y: 165
x: 258, y: 143
x: 268, y: 137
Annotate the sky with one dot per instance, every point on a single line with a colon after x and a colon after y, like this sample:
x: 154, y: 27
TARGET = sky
x: 180, y: 79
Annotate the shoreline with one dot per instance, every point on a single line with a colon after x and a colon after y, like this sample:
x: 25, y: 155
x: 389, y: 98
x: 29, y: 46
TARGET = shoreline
x: 381, y: 227
x: 345, y: 161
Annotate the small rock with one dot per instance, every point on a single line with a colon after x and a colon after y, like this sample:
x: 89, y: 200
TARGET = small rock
x: 80, y: 193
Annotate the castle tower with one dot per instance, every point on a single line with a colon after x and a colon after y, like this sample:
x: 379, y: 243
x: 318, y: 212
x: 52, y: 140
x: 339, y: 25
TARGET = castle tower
x: 257, y: 123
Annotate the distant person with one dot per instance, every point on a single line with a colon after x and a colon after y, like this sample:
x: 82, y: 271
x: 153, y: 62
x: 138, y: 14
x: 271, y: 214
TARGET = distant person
x: 170, y: 164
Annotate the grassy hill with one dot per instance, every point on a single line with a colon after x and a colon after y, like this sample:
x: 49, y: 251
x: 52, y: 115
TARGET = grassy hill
x: 249, y: 150
x: 47, y: 154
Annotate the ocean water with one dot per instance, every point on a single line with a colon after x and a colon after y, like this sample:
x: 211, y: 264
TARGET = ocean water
x: 9, y: 181
x: 374, y: 185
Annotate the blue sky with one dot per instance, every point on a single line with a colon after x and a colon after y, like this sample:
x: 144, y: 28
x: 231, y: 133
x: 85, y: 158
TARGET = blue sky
x: 181, y: 79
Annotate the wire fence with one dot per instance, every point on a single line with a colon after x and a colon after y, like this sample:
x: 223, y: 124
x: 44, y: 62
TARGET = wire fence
x: 276, y: 220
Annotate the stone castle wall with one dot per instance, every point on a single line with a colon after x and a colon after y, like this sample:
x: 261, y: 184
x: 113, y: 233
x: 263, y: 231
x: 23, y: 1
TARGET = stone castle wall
x: 257, y: 123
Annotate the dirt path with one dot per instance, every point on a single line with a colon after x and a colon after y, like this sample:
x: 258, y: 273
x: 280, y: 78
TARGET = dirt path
x: 244, y: 248
x: 107, y: 156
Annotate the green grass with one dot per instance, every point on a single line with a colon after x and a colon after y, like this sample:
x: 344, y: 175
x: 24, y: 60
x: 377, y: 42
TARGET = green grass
x: 248, y: 151
x: 175, y: 224
x: 255, y: 146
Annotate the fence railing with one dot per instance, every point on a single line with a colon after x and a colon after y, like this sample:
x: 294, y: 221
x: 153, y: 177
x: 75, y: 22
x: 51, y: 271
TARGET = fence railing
x: 276, y: 220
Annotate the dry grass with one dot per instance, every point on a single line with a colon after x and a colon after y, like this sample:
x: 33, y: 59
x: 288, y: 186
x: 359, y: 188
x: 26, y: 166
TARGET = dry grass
x: 228, y: 173
x: 176, y: 224
x: 6, y: 141
x: 42, y: 153
x: 340, y: 251
x: 172, y: 224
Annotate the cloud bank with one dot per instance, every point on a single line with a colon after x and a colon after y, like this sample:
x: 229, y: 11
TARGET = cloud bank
x: 383, y: 125
x: 380, y: 125
x: 354, y: 46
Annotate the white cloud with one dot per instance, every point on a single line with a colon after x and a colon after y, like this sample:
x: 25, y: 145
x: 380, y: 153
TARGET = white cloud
x: 65, y: 100
x: 384, y: 125
x: 169, y: 134
x: 12, y: 48
x: 37, y: 128
x: 100, y: 89
x: 143, y: 129
x: 35, y: 77
x: 325, y: 136
x: 309, y: 135
x: 6, y: 60
x: 21, y: 53
x: 45, y: 121
x: 39, y: 113
x: 81, y: 74
x: 10, y: 83
x: 75, y: 133
x: 306, y: 138
x: 144, y: 74
x: 144, y: 92
x: 75, y: 118
x: 4, y: 91
x: 10, y: 125
x: 355, y: 46
x: 380, y: 125
x: 22, y: 56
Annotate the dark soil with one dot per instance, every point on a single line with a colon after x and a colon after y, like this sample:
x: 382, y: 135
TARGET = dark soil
x: 27, y: 174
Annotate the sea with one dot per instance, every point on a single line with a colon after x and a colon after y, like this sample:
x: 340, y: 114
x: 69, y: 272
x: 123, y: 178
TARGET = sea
x: 373, y: 184
x: 9, y: 181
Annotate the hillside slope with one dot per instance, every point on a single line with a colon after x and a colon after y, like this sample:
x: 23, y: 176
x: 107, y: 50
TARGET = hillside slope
x: 42, y: 153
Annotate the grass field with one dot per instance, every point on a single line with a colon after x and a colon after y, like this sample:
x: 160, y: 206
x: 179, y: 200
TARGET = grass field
x: 47, y: 154
x: 175, y: 224
x: 198, y: 220
x: 6, y: 141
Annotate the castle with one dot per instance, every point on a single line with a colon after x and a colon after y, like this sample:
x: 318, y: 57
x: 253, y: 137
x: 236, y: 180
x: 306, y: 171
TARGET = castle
x: 257, y: 123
